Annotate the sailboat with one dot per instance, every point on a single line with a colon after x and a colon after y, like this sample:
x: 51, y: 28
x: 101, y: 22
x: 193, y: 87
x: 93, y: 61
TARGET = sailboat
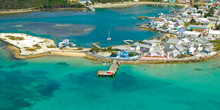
x: 109, y: 38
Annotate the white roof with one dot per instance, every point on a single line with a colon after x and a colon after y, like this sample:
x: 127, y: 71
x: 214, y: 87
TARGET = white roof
x: 191, y: 33
x: 215, y: 32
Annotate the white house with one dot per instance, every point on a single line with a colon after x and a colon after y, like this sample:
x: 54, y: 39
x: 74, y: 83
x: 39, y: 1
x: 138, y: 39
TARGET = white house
x: 214, y: 33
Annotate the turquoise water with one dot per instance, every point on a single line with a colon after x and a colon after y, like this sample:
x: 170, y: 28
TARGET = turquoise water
x: 84, y: 27
x: 70, y: 83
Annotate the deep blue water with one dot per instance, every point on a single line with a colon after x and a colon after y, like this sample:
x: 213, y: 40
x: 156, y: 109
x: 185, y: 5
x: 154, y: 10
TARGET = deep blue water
x: 70, y: 83
x: 84, y: 27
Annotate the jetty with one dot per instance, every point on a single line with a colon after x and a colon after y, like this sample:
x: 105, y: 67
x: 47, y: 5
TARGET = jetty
x: 112, y: 70
x: 90, y: 8
x: 128, y: 42
x: 96, y: 45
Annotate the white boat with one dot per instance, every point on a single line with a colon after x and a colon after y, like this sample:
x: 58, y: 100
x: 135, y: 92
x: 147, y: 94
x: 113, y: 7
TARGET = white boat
x: 109, y: 38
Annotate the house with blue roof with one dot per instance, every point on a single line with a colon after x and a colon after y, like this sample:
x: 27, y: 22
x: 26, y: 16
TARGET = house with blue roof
x: 182, y: 30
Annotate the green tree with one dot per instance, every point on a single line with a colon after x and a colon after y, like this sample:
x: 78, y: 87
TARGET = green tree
x: 211, y: 12
x: 217, y: 27
x: 196, y: 6
x: 193, y: 21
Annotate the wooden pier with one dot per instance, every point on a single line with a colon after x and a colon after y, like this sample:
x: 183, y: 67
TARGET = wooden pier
x: 112, y: 70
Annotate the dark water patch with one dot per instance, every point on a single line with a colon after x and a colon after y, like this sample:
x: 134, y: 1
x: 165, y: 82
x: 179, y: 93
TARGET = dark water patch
x: 125, y: 83
x: 199, y: 102
x: 71, y: 74
x: 17, y: 65
x: 91, y: 96
x: 197, y: 69
x: 14, y: 89
x: 54, y: 29
x: 1, y: 66
x: 62, y: 64
x: 47, y: 90
x: 38, y: 75
x: 19, y: 90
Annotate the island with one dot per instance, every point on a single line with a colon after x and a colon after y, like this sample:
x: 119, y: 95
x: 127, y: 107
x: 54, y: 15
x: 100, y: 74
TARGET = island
x: 189, y: 35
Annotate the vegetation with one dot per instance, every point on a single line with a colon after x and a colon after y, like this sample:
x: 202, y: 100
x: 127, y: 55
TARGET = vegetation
x: 217, y: 27
x: 94, y: 49
x: 51, y: 46
x: 37, y: 46
x: 210, y: 13
x: 151, y: 0
x: 108, y: 49
x: 216, y: 44
x: 38, y: 4
x: 181, y: 55
x: 200, y: 12
x: 114, y: 54
x: 141, y: 41
x: 106, y: 1
x: 187, y: 24
x: 131, y: 54
x: 79, y: 47
x: 15, y: 38
x: 196, y: 6
x: 193, y: 21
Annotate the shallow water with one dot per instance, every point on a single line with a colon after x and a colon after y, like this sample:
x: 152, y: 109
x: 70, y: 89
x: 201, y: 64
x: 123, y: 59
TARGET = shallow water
x: 68, y: 83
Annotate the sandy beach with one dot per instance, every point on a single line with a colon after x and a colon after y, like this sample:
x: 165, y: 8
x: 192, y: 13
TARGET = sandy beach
x: 129, y: 4
x: 18, y: 11
x: 16, y: 53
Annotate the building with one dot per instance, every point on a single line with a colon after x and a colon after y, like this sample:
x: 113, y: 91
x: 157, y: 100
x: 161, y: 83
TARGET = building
x: 214, y: 33
x: 203, y: 31
x: 85, y: 1
x: 174, y: 41
x: 191, y: 34
x: 191, y: 27
x: 183, y: 1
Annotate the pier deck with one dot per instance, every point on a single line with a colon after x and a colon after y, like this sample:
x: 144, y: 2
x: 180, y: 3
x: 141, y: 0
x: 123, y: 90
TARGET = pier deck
x: 112, y: 70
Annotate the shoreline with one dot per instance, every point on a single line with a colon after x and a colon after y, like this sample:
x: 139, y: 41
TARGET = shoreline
x: 129, y: 4
x: 99, y: 5
x: 16, y: 11
x: 16, y: 53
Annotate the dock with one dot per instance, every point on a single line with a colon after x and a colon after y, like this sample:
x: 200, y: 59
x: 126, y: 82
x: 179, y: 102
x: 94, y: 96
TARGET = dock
x: 112, y: 70
x: 146, y: 17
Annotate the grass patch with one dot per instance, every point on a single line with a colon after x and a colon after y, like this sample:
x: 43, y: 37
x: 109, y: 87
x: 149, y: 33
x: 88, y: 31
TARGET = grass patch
x: 34, y: 48
x: 15, y: 38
